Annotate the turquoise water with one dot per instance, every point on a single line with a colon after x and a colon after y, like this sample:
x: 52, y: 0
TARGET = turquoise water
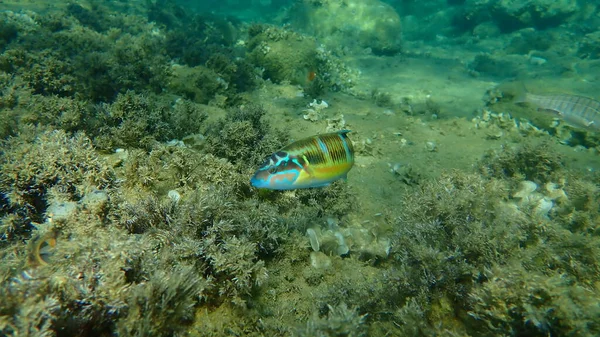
x: 130, y: 131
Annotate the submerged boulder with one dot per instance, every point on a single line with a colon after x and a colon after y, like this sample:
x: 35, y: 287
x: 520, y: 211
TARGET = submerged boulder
x: 369, y: 23
x: 512, y: 15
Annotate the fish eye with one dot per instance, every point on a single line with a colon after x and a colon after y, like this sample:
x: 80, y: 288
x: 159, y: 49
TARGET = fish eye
x: 272, y: 170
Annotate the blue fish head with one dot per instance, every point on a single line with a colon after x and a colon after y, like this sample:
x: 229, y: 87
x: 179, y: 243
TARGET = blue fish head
x: 278, y: 172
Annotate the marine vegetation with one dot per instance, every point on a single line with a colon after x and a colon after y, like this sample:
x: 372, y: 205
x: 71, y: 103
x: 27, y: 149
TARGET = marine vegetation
x: 474, y: 256
x: 38, y: 170
x: 243, y: 136
x: 289, y: 56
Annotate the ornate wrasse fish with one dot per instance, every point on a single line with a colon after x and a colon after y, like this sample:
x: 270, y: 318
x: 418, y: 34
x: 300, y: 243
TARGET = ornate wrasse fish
x: 310, y: 162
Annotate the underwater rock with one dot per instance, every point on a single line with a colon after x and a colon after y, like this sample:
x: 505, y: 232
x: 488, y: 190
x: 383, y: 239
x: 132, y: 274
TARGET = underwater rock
x: 285, y: 56
x: 431, y: 146
x: 354, y: 240
x: 118, y: 158
x: 367, y: 245
x: 525, y: 189
x: 510, y: 15
x: 539, y: 13
x: 554, y: 192
x: 60, y: 211
x: 590, y: 46
x: 342, y: 248
x: 543, y: 206
x: 541, y: 200
x: 96, y: 201
x: 311, y: 115
x: 94, y: 197
x: 336, y: 124
x: 370, y: 23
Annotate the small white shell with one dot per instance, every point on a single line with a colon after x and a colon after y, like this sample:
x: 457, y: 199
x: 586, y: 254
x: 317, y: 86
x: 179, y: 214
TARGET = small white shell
x: 174, y: 196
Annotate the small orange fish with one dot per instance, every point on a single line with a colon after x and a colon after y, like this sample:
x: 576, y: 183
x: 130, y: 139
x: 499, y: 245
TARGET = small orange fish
x: 311, y: 76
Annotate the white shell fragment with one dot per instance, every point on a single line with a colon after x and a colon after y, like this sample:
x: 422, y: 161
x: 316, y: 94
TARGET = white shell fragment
x: 314, y: 241
x: 318, y: 106
x: 174, y: 196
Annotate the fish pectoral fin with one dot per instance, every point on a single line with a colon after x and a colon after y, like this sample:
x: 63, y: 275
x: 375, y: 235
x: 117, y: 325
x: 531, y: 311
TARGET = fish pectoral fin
x: 309, y: 170
x: 307, y: 167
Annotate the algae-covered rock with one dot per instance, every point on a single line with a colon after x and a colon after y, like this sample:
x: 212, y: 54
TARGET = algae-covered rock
x: 369, y: 23
x: 590, y: 46
x: 287, y: 56
x: 284, y: 55
x: 511, y: 15
x: 198, y: 83
x: 534, y: 13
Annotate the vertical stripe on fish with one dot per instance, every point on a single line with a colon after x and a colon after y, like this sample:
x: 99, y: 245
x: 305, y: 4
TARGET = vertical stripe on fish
x: 310, y: 162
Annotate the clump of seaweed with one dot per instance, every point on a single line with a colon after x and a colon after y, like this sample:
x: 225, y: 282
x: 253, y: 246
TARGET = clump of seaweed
x: 8, y: 32
x: 184, y: 231
x: 50, y: 75
x: 339, y: 321
x: 243, y: 136
x: 65, y: 113
x: 451, y: 228
x: 538, y: 163
x: 138, y: 121
x: 285, y: 55
x: 209, y: 67
x: 30, y: 166
x: 100, y: 281
x: 133, y: 120
x: 462, y: 243
x: 162, y: 304
x: 200, y: 84
x: 519, y: 301
x: 193, y: 39
x: 88, y: 53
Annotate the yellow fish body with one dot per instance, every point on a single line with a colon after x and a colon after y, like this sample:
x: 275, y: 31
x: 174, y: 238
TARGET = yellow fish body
x: 310, y: 162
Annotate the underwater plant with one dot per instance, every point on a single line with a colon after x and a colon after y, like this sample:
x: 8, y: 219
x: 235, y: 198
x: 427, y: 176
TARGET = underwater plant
x: 244, y: 136
x: 31, y: 166
x: 538, y: 163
